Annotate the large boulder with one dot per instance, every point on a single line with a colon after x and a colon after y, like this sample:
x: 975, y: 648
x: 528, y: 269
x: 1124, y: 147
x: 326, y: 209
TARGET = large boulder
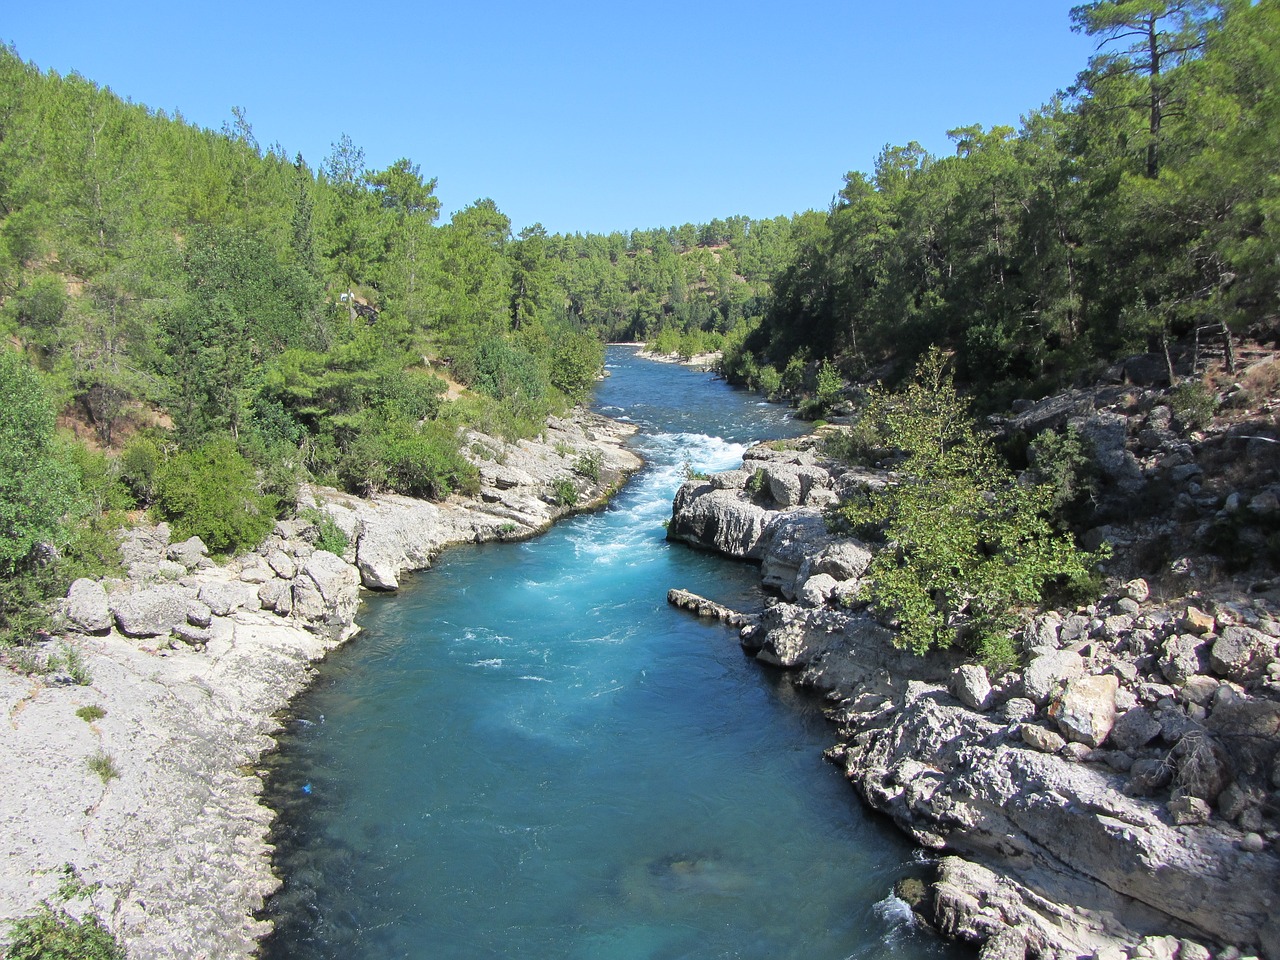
x: 789, y: 541
x: 842, y: 560
x: 1241, y: 654
x: 86, y: 606
x: 326, y: 594
x: 972, y: 686
x: 394, y: 535
x: 1182, y: 657
x: 790, y: 485
x: 720, y: 520
x: 1047, y: 672
x: 152, y: 611
x: 191, y: 553
x: 950, y: 778
x: 1134, y: 729
x: 1085, y: 711
x: 223, y: 597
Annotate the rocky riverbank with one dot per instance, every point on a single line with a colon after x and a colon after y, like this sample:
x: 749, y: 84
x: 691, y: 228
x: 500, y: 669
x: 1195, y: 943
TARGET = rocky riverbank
x: 134, y: 759
x: 1117, y: 794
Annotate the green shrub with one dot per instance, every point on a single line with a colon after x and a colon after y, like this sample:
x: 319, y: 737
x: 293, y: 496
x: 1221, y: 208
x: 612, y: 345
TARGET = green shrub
x: 417, y: 461
x: 73, y: 663
x: 38, y: 486
x: 1064, y: 463
x: 104, y: 765
x: 588, y: 465
x: 140, y: 461
x: 1193, y: 404
x: 969, y: 542
x: 576, y: 362
x: 770, y: 381
x: 563, y: 492
x: 91, y: 713
x: 689, y: 472
x: 51, y: 933
x: 37, y: 307
x: 212, y: 493
x: 330, y: 536
x: 794, y: 373
x: 830, y: 385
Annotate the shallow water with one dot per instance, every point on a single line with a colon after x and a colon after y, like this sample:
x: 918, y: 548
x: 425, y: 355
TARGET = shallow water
x: 528, y: 753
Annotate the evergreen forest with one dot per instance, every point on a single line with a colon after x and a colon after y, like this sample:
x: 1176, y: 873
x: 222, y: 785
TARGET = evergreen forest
x: 195, y: 324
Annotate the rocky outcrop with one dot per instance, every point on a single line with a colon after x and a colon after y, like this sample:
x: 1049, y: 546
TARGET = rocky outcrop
x: 392, y: 534
x: 771, y: 511
x: 191, y: 663
x: 1116, y: 794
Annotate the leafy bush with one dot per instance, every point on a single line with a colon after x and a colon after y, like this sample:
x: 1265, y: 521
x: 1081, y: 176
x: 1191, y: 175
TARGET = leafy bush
x: 74, y: 664
x: 212, y: 493
x: 37, y: 307
x: 563, y: 492
x: 140, y: 461
x: 1064, y: 463
x: 330, y: 536
x: 37, y: 485
x: 576, y: 361
x: 770, y: 381
x: 588, y: 465
x: 829, y: 385
x: 967, y: 541
x: 51, y: 933
x: 91, y: 713
x: 104, y: 765
x: 1193, y: 403
x: 417, y: 461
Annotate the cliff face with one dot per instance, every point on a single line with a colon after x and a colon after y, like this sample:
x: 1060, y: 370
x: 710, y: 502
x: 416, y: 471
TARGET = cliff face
x: 1116, y: 793
x: 191, y: 663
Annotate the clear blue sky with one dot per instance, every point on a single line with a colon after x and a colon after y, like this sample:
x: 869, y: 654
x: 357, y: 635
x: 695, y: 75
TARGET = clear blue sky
x: 584, y: 116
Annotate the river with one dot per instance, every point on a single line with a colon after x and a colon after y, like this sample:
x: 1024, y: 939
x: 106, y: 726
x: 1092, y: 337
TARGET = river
x: 527, y: 753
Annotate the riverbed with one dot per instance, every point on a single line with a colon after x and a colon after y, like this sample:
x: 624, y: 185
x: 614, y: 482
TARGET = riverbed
x: 528, y: 753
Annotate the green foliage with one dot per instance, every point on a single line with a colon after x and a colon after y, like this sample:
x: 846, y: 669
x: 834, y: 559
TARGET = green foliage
x: 576, y: 362
x: 74, y: 664
x: 588, y: 465
x: 414, y: 460
x: 51, y: 933
x: 1064, y: 464
x: 1141, y: 208
x: 563, y: 492
x: 329, y: 536
x: 1193, y: 403
x: 37, y: 484
x: 91, y: 712
x: 36, y: 309
x: 967, y: 543
x: 104, y: 765
x: 212, y: 493
x: 829, y: 386
x: 769, y: 382
x: 139, y: 462
x: 689, y: 472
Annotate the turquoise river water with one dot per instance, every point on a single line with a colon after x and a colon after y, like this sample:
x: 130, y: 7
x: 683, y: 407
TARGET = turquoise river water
x: 527, y: 753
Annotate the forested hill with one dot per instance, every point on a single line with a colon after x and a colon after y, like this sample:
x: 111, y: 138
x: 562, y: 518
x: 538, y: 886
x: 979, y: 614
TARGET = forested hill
x: 136, y: 247
x: 181, y: 297
x: 196, y: 308
x: 1114, y: 220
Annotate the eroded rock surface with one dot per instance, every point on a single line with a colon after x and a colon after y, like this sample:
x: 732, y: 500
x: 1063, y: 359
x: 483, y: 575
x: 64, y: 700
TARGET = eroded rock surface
x: 191, y: 663
x: 1114, y: 795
